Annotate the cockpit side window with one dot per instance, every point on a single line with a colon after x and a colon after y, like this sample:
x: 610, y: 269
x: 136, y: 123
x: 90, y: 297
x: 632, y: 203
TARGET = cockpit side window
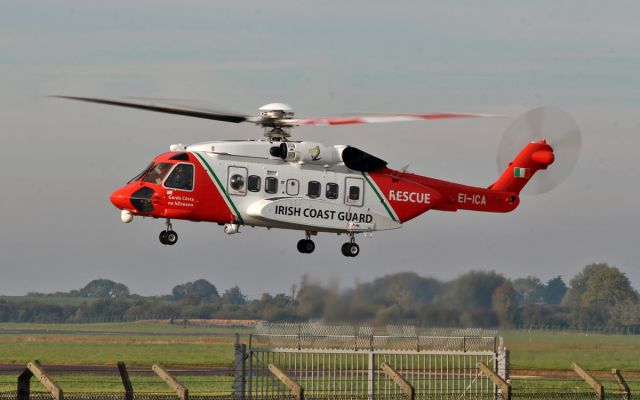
x: 141, y: 174
x: 181, y: 177
x: 157, y: 173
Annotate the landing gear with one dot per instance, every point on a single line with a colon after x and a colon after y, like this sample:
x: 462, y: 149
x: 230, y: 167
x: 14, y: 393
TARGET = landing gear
x: 351, y: 248
x: 168, y: 236
x: 306, y: 246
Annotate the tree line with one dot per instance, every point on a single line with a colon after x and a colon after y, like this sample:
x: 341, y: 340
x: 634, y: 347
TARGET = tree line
x: 598, y: 296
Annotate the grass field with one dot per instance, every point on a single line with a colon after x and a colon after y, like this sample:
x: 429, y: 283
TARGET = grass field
x: 556, y: 351
x: 90, y: 383
x: 149, y: 343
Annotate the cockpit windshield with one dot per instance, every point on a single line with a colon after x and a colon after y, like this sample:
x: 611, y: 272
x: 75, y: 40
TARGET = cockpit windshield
x: 141, y: 174
x: 157, y: 173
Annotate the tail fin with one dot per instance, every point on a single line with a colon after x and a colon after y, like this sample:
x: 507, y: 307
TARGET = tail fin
x: 534, y: 157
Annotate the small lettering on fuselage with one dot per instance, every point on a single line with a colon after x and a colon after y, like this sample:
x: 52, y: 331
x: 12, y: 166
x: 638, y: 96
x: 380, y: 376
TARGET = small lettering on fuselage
x: 318, y: 213
x: 476, y: 199
x: 179, y: 201
x: 409, y: 197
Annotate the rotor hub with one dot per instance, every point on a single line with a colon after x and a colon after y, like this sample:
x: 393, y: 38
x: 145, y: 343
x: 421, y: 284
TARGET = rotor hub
x: 276, y: 111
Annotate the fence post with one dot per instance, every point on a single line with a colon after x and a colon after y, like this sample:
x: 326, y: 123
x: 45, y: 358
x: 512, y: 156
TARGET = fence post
x: 370, y: 371
x: 591, y: 381
x: 504, y: 359
x: 24, y: 385
x: 296, y: 389
x: 240, y: 369
x: 622, y: 383
x: 503, y: 386
x: 406, y: 387
x: 183, y: 392
x: 36, y: 370
x: 126, y: 382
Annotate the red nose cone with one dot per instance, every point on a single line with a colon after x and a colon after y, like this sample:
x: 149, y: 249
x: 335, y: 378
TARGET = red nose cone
x: 544, y: 157
x: 120, y: 199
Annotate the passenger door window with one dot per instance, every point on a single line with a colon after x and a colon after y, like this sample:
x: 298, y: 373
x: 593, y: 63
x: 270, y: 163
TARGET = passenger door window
x: 237, y: 182
x: 354, y: 192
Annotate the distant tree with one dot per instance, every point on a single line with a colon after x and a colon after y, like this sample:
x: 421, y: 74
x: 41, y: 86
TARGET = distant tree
x: 234, y: 296
x: 554, y: 291
x: 529, y: 290
x: 104, y: 288
x: 473, y: 290
x: 196, y: 292
x: 407, y: 289
x: 505, y: 305
x: 596, y: 295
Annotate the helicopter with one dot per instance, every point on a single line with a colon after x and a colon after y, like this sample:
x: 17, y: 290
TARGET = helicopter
x: 278, y: 182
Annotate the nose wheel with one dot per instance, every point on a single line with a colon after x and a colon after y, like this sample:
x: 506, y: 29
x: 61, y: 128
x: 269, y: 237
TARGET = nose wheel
x: 168, y: 236
x: 351, y: 248
x: 306, y: 245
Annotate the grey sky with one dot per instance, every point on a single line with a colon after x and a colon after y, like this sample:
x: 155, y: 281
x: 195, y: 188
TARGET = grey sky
x: 60, y: 160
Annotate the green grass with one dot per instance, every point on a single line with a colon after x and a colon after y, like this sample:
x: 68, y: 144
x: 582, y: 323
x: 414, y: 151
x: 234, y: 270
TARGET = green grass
x: 556, y: 351
x: 111, y: 353
x: 127, y: 327
x: 98, y: 383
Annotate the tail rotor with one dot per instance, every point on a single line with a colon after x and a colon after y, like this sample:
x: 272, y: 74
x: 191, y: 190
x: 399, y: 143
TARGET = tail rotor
x: 559, y: 129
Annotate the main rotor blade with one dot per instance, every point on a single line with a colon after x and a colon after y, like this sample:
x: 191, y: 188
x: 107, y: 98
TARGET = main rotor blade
x: 378, y: 118
x: 167, y: 109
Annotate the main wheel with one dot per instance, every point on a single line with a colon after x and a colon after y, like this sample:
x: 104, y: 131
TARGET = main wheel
x: 171, y: 237
x: 163, y: 237
x: 350, y: 249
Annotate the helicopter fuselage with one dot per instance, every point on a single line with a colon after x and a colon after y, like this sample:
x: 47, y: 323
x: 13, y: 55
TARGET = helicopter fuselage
x: 299, y: 185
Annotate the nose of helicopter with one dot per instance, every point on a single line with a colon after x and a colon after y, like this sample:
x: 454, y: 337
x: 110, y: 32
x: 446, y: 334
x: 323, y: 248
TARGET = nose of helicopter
x: 121, y: 198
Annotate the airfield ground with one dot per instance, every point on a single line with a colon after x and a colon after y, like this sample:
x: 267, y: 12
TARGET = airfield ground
x: 87, y: 354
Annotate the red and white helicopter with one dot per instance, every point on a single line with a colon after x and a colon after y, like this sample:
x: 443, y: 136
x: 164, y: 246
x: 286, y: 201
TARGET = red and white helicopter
x: 277, y: 182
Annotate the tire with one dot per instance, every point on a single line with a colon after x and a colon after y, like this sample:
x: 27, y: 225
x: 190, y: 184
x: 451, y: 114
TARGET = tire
x: 309, y: 246
x: 171, y: 237
x: 163, y: 237
x: 345, y: 249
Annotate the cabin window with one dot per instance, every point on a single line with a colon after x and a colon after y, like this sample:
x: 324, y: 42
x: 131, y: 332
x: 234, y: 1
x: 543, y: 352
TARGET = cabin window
x: 293, y: 187
x: 271, y: 184
x: 332, y: 191
x: 181, y: 177
x: 354, y: 193
x: 314, y: 188
x: 253, y: 183
x: 157, y: 173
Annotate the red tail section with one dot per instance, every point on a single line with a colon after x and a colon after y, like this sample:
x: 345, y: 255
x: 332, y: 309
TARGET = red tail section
x: 534, y: 157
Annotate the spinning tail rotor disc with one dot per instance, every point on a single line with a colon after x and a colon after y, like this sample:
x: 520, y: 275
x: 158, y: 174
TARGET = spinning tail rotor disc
x: 560, y: 131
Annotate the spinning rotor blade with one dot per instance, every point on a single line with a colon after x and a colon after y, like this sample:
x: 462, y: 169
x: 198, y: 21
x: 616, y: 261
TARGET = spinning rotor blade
x: 559, y: 130
x: 378, y: 118
x: 157, y: 106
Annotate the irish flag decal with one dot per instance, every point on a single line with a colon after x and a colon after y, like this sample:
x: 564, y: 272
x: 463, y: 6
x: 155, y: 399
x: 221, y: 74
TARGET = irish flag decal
x: 521, y: 172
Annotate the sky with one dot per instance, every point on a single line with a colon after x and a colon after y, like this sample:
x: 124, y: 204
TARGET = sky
x: 60, y: 160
